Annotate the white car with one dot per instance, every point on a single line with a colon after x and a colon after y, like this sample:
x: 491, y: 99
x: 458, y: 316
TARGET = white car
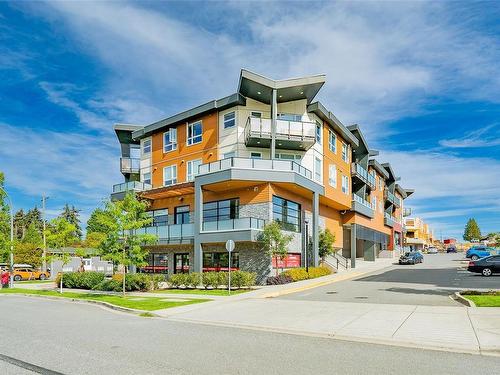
x: 432, y: 250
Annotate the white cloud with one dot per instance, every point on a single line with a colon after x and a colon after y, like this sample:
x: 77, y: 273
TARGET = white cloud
x: 487, y: 136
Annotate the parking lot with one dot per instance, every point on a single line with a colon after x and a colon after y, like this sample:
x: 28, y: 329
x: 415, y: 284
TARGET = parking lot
x: 427, y: 283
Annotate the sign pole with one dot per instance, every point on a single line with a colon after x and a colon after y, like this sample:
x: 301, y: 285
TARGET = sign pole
x: 229, y: 268
x: 229, y: 248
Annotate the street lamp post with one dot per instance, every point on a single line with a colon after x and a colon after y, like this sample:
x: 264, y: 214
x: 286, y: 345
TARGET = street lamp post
x: 11, y: 278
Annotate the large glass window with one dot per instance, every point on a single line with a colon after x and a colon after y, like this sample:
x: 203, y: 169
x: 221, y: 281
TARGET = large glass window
x: 192, y: 168
x: 146, y: 146
x: 345, y: 156
x: 182, y: 215
x: 289, y: 117
x: 221, y: 210
x: 220, y: 261
x: 318, y: 132
x: 181, y: 263
x: 345, y: 184
x: 170, y: 140
x: 160, y: 217
x: 157, y: 263
x: 287, y: 213
x: 332, y: 141
x: 194, y: 133
x: 229, y: 120
x: 170, y: 175
x: 317, y: 169
x: 146, y: 178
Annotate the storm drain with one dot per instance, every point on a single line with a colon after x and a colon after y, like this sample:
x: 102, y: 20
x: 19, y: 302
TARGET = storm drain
x: 362, y: 297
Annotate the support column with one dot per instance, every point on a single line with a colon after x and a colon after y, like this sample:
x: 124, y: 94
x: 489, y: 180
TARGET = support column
x: 274, y: 117
x: 198, y: 217
x: 353, y: 245
x: 315, y: 229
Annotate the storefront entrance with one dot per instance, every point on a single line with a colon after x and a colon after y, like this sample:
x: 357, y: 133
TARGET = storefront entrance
x: 181, y: 262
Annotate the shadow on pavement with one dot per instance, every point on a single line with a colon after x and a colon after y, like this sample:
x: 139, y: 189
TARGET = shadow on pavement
x: 434, y: 292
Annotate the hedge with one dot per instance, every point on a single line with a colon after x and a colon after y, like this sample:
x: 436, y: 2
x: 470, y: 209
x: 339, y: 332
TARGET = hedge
x: 80, y: 280
x: 97, y: 281
x: 239, y: 279
x: 298, y: 274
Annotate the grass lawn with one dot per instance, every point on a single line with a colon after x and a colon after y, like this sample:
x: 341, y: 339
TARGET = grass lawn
x: 485, y: 300
x: 34, y: 282
x: 210, y: 292
x: 132, y: 302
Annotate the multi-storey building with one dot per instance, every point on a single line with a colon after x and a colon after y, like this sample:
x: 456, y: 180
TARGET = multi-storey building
x: 224, y: 169
x: 418, y: 235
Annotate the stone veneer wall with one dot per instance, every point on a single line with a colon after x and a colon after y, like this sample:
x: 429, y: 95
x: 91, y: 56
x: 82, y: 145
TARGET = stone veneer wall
x: 256, y: 210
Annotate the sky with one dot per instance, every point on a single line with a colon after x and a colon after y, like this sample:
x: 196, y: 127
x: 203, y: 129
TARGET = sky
x: 422, y: 80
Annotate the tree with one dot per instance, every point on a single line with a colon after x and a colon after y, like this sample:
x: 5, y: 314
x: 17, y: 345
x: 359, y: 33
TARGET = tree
x: 59, y: 235
x: 98, y: 221
x: 275, y: 241
x: 326, y: 241
x: 94, y: 240
x: 28, y: 249
x: 32, y: 236
x: 72, y: 216
x: 34, y: 216
x: 121, y: 221
x: 472, y: 231
x: 19, y: 224
x: 4, y: 223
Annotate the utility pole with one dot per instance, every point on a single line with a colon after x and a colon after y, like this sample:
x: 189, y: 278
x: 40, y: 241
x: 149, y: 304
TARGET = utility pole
x: 44, y: 255
x: 11, y: 209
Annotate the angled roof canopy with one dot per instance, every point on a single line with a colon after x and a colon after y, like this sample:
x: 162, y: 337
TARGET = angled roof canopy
x: 124, y: 132
x: 378, y: 167
x: 319, y: 110
x: 258, y: 87
x: 389, y: 169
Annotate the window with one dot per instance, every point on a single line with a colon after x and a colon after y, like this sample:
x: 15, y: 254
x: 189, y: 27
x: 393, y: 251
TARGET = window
x: 135, y: 151
x: 318, y: 132
x: 332, y: 175
x: 380, y: 207
x: 229, y: 120
x: 345, y: 185
x: 288, y: 156
x: 220, y: 261
x: 221, y: 210
x: 317, y: 169
x: 374, y: 202
x: 146, y: 178
x: 170, y: 175
x: 289, y: 117
x: 160, y: 217
x: 345, y: 156
x: 256, y: 155
x: 146, y: 146
x: 228, y: 155
x: 194, y: 133
x: 380, y: 183
x: 182, y: 215
x: 332, y: 141
x: 256, y: 114
x: 192, y: 168
x: 287, y: 213
x: 170, y: 140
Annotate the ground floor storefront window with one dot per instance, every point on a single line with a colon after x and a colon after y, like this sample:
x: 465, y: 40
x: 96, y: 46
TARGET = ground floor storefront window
x: 157, y: 263
x: 181, y: 263
x: 292, y: 260
x: 219, y: 261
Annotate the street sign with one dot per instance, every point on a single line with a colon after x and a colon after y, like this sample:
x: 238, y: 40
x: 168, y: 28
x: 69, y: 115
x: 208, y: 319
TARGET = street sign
x: 229, y: 245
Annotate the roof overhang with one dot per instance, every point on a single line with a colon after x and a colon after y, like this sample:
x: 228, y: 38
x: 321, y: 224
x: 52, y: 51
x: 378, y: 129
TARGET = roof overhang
x: 319, y: 110
x: 401, y: 191
x: 409, y: 192
x: 378, y: 167
x: 389, y: 169
x: 258, y: 87
x: 190, y: 114
x: 124, y: 132
x: 354, y: 129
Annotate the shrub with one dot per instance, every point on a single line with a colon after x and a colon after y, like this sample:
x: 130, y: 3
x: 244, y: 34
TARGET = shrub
x: 80, y: 280
x: 222, y: 278
x: 318, y: 272
x: 177, y: 280
x: 279, y: 280
x: 192, y: 280
x: 298, y: 274
x: 210, y: 280
x: 243, y: 279
x: 109, y: 285
x: 133, y: 282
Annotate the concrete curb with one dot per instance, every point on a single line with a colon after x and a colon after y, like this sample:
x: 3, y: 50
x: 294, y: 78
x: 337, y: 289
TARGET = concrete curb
x: 90, y: 302
x: 465, y: 301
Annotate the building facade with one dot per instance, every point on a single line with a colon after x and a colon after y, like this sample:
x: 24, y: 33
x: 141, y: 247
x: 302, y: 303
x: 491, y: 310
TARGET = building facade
x: 418, y: 235
x: 267, y: 152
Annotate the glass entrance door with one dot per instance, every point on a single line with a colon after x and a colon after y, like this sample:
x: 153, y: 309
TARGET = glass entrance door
x: 181, y: 262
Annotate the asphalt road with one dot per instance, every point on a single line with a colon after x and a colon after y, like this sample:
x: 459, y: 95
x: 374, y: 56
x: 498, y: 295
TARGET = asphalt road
x: 427, y: 283
x: 73, y: 338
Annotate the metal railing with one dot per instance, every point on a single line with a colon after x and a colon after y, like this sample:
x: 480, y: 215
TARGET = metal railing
x: 337, y: 260
x: 130, y: 165
x: 390, y: 217
x: 285, y: 129
x: 362, y: 201
x: 169, y: 232
x: 392, y: 198
x: 367, y: 177
x: 247, y: 163
x: 241, y: 223
x: 131, y: 186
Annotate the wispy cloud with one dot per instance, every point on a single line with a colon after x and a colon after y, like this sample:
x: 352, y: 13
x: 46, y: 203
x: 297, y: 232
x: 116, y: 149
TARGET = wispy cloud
x: 487, y: 136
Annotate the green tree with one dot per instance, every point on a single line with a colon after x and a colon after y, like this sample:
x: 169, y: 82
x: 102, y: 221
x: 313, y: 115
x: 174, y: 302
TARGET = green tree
x: 19, y: 225
x: 34, y: 216
x: 472, y: 231
x: 33, y: 236
x: 94, y: 240
x: 123, y: 244
x: 71, y: 215
x: 98, y: 221
x: 326, y: 241
x: 275, y: 241
x: 27, y: 253
x: 4, y: 223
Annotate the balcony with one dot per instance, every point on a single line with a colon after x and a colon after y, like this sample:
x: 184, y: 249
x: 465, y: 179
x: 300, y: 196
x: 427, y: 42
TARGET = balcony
x: 243, y: 223
x: 130, y: 165
x: 362, y: 206
x: 357, y: 171
x: 119, y: 190
x: 390, y: 197
x: 175, y: 233
x: 390, y: 220
x: 290, y: 135
x: 253, y: 164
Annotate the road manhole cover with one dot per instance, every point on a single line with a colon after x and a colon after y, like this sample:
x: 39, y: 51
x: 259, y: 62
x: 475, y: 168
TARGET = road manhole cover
x: 361, y: 297
x: 331, y: 292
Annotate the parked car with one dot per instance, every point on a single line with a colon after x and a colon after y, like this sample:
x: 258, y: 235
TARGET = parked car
x: 432, y: 250
x: 476, y: 252
x: 412, y: 257
x: 486, y: 266
x: 451, y: 249
x: 29, y: 274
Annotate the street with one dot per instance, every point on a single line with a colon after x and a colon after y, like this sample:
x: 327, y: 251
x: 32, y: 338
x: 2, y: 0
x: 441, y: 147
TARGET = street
x: 428, y: 283
x: 73, y: 338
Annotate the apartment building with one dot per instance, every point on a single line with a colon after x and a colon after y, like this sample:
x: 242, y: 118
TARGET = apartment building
x: 268, y: 152
x: 418, y: 235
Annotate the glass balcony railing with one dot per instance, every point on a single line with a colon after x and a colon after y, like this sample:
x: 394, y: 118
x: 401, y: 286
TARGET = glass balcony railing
x: 363, y: 174
x: 362, y: 201
x: 131, y: 186
x: 392, y: 198
x: 130, y: 165
x: 263, y: 164
x: 169, y: 232
x: 241, y: 223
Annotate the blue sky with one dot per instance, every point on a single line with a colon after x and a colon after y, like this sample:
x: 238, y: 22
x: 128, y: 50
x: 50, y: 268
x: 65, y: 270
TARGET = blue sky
x: 421, y: 79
